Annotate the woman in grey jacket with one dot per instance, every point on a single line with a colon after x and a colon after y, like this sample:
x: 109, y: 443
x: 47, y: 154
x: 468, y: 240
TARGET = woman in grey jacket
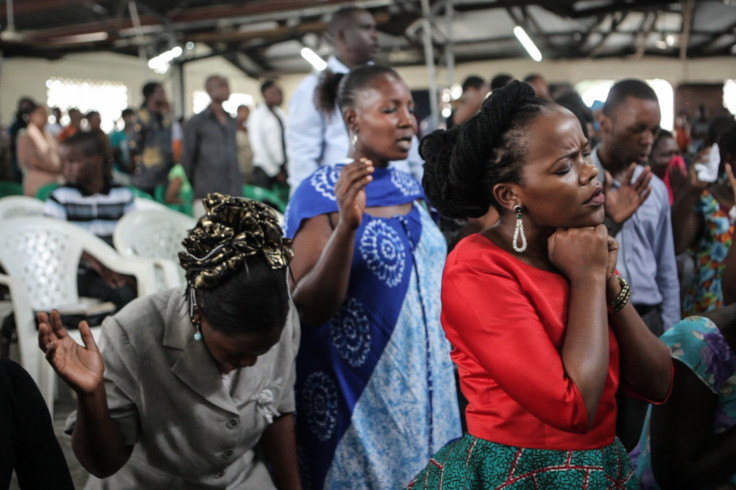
x: 186, y: 382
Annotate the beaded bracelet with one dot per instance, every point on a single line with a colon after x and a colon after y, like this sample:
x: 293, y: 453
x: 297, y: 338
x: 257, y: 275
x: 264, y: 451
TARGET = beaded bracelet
x: 623, y: 297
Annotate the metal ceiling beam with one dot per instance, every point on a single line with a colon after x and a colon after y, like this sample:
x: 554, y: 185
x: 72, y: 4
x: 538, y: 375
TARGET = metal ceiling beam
x: 616, y: 20
x: 713, y: 38
x: 148, y: 24
x: 584, y: 37
x: 546, y: 41
x: 429, y: 61
x: 686, y: 24
x: 472, y: 5
x: 521, y: 20
x: 449, y: 47
x: 179, y: 8
x: 561, y: 8
x: 618, y: 6
x: 277, y: 32
x: 645, y: 30
x: 234, y: 59
x: 35, y: 6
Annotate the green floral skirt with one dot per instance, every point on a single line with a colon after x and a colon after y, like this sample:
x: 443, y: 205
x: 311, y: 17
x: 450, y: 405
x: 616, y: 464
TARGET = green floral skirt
x: 470, y: 463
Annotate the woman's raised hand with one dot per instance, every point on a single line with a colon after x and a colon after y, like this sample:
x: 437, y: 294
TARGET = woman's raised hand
x: 581, y: 252
x: 350, y: 191
x: 81, y: 367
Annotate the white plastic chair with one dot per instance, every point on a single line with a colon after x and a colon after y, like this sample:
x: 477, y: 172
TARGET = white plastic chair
x: 13, y: 206
x: 155, y: 234
x: 142, y: 203
x: 43, y: 255
x: 23, y: 316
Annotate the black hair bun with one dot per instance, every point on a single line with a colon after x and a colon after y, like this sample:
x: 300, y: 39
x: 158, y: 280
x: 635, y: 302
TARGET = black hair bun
x: 455, y: 177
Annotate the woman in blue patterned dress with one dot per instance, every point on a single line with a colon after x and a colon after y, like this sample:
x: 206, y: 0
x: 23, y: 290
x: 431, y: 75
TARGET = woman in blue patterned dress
x: 376, y: 395
x: 690, y: 441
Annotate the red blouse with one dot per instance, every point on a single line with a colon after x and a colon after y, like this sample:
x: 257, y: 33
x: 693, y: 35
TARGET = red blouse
x: 506, y: 321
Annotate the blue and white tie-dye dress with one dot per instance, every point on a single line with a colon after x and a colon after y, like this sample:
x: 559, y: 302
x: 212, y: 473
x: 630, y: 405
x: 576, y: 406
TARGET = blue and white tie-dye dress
x: 376, y: 394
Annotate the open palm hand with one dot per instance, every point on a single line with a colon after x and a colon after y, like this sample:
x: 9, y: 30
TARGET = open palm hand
x: 81, y: 367
x: 623, y: 202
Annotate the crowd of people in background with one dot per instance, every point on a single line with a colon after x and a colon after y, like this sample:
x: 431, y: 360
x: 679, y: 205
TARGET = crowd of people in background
x: 575, y: 263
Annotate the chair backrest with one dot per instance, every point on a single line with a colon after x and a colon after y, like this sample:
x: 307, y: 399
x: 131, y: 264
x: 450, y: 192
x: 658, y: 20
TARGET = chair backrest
x: 25, y: 326
x: 45, y: 253
x: 146, y: 203
x: 152, y: 233
x: 46, y: 258
x: 13, y: 206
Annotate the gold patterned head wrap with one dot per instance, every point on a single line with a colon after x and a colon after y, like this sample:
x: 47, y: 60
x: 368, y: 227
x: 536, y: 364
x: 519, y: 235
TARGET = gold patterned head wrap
x: 232, y: 229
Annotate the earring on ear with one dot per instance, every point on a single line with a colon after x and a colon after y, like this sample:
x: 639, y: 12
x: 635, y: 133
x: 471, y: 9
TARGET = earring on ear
x: 354, y: 139
x: 519, y: 232
x: 192, y: 310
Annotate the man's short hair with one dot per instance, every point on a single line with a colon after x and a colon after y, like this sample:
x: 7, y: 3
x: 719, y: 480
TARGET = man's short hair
x: 342, y: 18
x: 473, y: 81
x: 209, y: 79
x: 630, y: 87
x: 88, y: 143
x: 149, y: 88
x: 500, y: 80
x: 266, y: 85
x: 532, y: 77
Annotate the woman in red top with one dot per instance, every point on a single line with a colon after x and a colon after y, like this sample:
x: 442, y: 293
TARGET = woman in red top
x: 541, y: 326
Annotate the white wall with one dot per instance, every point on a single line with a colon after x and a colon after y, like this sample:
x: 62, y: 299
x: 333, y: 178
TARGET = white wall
x: 25, y: 76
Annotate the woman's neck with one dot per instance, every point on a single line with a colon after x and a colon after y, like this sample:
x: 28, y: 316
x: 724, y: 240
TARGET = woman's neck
x: 357, y: 155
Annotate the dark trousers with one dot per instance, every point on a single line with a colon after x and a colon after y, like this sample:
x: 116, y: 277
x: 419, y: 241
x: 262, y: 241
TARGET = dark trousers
x: 261, y: 178
x: 91, y: 285
x: 631, y: 412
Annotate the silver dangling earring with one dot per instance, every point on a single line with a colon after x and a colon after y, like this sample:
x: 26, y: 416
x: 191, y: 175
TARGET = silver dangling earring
x: 354, y: 140
x: 192, y: 307
x: 519, y: 231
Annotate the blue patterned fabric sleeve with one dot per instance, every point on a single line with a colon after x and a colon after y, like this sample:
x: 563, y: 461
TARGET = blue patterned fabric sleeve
x: 699, y: 344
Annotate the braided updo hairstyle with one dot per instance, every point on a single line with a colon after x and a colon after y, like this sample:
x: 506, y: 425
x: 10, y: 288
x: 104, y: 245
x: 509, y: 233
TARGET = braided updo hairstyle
x: 235, y: 260
x: 341, y: 88
x: 463, y: 164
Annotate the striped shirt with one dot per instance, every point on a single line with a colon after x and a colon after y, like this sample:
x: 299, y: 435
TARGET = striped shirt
x: 96, y: 213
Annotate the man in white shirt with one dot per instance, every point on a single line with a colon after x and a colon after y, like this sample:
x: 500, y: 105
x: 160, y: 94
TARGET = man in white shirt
x: 267, y: 128
x: 311, y: 139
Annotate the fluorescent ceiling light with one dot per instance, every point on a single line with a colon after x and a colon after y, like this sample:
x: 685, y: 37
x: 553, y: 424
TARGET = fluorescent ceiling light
x: 160, y: 63
x: 528, y: 44
x: 79, y: 38
x: 313, y: 58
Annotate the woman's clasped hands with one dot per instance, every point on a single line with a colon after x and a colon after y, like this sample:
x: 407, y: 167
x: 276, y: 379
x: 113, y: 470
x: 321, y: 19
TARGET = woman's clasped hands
x: 583, y: 252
